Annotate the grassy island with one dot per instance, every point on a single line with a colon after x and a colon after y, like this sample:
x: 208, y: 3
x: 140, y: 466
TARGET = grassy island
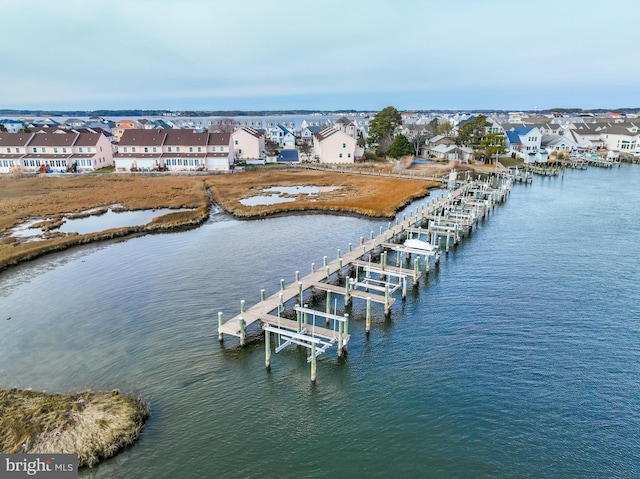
x: 94, y: 425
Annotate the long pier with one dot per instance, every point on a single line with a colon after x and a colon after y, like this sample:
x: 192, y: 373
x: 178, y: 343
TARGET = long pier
x: 461, y: 207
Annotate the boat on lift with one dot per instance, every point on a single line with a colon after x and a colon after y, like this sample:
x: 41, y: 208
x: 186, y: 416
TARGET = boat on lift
x: 420, y: 244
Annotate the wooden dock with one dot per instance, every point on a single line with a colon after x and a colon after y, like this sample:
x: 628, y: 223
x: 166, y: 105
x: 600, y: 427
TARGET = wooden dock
x: 463, y: 206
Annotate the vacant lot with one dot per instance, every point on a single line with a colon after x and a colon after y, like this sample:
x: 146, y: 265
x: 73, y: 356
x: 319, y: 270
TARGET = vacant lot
x: 49, y: 198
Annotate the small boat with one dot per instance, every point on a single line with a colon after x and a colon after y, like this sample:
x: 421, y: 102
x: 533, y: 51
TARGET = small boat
x: 419, y: 244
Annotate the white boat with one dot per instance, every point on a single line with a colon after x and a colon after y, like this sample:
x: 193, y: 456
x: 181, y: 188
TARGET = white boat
x: 419, y: 244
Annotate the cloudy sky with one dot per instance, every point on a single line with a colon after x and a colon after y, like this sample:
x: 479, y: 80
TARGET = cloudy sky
x: 319, y: 55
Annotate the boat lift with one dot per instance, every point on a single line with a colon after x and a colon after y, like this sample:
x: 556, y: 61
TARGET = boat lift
x: 301, y: 333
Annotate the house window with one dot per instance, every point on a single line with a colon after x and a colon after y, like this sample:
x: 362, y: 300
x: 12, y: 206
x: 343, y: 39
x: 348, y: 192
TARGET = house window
x: 169, y: 149
x: 8, y: 150
x: 344, y: 145
x: 17, y: 150
x: 44, y: 149
x: 64, y: 150
x: 348, y: 155
x: 222, y: 148
x: 199, y: 149
x: 340, y: 155
x: 213, y: 148
x: 191, y: 149
x: 35, y: 150
x: 133, y: 149
x: 236, y: 142
x: 124, y: 149
x: 146, y: 149
x: 88, y: 149
x: 55, y: 150
x: 153, y: 149
x: 80, y: 149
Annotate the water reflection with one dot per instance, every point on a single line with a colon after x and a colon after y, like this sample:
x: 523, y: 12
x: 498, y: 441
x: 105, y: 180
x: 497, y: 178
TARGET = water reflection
x: 284, y: 194
x: 93, y: 223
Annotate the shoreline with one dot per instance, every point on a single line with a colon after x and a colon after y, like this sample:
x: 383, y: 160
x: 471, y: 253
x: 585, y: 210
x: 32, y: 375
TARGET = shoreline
x: 376, y: 198
x: 94, y: 425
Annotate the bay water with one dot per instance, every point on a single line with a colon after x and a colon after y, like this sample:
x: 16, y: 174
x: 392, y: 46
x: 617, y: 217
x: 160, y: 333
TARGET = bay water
x: 519, y: 356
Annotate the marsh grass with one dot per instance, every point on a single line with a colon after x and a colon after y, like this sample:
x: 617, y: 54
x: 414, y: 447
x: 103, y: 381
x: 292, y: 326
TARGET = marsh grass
x: 27, y: 198
x: 93, y: 425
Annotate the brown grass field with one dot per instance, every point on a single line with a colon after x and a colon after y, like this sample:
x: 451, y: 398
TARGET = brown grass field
x: 50, y: 198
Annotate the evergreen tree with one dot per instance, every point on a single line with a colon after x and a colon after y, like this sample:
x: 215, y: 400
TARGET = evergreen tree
x: 400, y: 147
x: 382, y: 129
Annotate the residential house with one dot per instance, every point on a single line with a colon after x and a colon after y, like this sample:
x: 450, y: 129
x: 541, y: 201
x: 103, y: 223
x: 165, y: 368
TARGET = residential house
x: 57, y: 151
x: 306, y: 134
x: 334, y: 146
x: 282, y: 135
x: 562, y: 143
x: 433, y: 142
x: 12, y: 126
x: 122, y: 125
x: 463, y: 154
x: 623, y: 138
x: 523, y: 141
x: 13, y: 147
x: 248, y: 143
x: 174, y: 150
x: 586, y: 136
x: 347, y: 126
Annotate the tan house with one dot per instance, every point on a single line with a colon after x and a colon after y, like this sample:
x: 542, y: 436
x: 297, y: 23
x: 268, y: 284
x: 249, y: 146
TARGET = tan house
x: 248, y: 143
x: 59, y: 152
x: 347, y: 126
x: 334, y: 146
x: 174, y: 150
x: 123, y: 125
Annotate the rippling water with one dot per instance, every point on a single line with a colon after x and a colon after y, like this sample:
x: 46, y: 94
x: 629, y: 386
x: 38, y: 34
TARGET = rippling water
x: 518, y: 357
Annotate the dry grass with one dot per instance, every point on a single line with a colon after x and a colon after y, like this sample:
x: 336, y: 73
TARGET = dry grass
x: 93, y: 425
x: 376, y: 196
x: 50, y: 198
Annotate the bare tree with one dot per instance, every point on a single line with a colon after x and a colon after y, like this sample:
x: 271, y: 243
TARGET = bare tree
x: 306, y: 149
x: 223, y: 125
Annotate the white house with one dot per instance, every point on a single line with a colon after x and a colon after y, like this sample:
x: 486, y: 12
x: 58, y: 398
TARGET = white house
x: 524, y: 141
x: 620, y: 137
x: 281, y: 135
x: 334, y: 146
x: 559, y: 143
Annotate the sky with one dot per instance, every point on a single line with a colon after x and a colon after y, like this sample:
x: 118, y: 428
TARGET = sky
x: 323, y: 55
